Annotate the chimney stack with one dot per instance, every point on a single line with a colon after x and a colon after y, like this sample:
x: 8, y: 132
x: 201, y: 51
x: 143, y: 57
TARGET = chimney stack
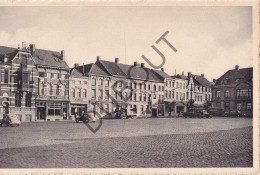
x: 237, y: 67
x: 32, y: 49
x: 62, y: 54
x: 23, y: 45
x: 162, y: 69
x: 135, y: 63
x: 116, y: 60
x: 142, y: 65
x: 182, y: 72
x: 76, y: 65
x: 214, y: 80
x: 97, y: 58
x: 202, y: 75
x: 189, y: 74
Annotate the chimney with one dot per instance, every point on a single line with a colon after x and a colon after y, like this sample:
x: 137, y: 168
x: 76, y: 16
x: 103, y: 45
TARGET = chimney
x: 237, y: 67
x: 202, y: 75
x: 32, y: 49
x: 182, y: 73
x: 62, y: 54
x: 76, y: 65
x: 214, y: 80
x: 162, y: 69
x: 189, y: 74
x: 6, y: 58
x: 23, y: 45
x: 116, y: 60
x: 97, y: 58
x: 142, y: 65
x: 135, y: 63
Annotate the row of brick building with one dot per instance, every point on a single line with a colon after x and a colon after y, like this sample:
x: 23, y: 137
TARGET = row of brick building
x: 39, y: 85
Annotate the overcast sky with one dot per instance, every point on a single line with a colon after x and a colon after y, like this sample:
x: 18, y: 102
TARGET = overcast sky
x: 209, y: 40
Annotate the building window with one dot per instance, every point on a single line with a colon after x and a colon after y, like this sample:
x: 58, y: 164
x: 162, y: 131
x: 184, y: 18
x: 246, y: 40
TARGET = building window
x: 159, y: 88
x: 249, y: 106
x: 149, y: 87
x: 226, y: 93
x: 93, y: 82
x: 177, y: 85
x: 177, y: 96
x: 154, y: 96
x: 144, y: 97
x: 93, y: 95
x: 173, y: 94
x: 134, y: 85
x: 48, y: 75
x: 154, y: 87
x: 107, y: 94
x: 79, y: 82
x: 134, y: 97
x: 144, y: 86
x: 162, y: 88
x: 140, y: 97
x: 140, y: 85
x: 79, y: 93
x: 41, y: 74
x: 183, y: 96
x: 73, y: 92
x: 100, y: 97
x: 18, y: 100
x: 100, y: 82
x: 244, y: 93
x: 218, y: 93
x: 180, y: 85
x: 107, y: 83
x: 28, y: 100
x: 6, y: 76
x: 84, y: 93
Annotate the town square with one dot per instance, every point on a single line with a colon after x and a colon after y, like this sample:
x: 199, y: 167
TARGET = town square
x: 92, y: 87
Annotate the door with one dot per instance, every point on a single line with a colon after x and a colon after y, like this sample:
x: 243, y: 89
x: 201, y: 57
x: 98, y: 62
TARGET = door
x: 41, y: 113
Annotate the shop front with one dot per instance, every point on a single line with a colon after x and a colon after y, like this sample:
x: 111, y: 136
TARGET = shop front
x: 52, y: 110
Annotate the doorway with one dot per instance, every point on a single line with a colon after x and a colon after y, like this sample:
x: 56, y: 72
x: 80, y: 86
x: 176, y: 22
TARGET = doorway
x: 41, y: 113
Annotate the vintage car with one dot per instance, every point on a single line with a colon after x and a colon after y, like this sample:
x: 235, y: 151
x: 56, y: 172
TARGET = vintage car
x: 86, y: 118
x: 10, y: 120
x: 200, y: 113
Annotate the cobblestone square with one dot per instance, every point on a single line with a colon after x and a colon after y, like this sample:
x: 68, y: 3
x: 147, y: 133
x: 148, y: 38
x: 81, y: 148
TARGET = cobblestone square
x: 129, y: 143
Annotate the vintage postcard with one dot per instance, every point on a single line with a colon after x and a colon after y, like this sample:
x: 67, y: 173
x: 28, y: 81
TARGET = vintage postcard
x: 142, y: 87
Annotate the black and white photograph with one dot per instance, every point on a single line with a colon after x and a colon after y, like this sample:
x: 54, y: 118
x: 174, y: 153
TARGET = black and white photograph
x: 129, y: 87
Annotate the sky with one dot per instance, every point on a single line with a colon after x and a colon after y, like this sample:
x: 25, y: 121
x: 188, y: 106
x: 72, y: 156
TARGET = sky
x: 209, y: 40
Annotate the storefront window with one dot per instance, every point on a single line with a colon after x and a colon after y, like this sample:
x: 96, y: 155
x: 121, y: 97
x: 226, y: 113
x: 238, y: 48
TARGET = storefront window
x: 54, y: 109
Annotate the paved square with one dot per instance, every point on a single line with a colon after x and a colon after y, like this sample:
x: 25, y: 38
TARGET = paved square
x: 159, y: 142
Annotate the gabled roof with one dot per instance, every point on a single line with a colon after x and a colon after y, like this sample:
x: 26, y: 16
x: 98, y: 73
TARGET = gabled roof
x: 162, y: 75
x: 111, y: 68
x: 42, y: 57
x: 49, y: 58
x: 202, y: 81
x: 91, y: 69
x: 137, y: 72
x: 8, y: 51
x: 233, y: 75
x: 74, y: 73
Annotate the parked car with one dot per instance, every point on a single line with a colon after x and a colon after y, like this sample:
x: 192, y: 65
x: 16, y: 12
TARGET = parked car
x: 204, y: 113
x: 86, y: 118
x: 10, y: 120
